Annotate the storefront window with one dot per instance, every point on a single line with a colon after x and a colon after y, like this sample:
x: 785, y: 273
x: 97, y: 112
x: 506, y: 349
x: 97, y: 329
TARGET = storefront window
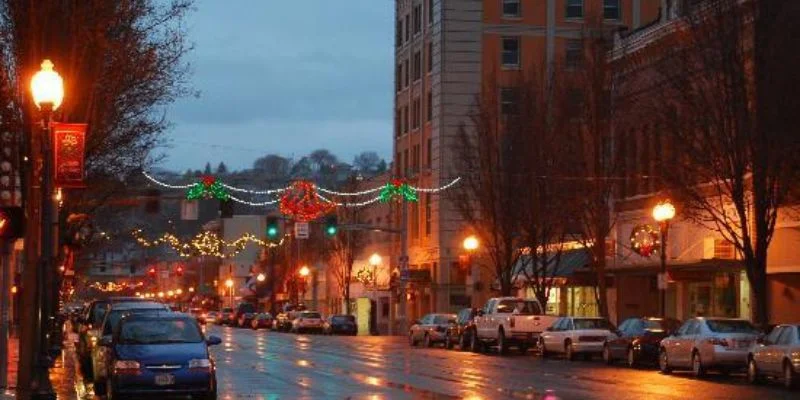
x: 725, y: 299
x: 582, y: 302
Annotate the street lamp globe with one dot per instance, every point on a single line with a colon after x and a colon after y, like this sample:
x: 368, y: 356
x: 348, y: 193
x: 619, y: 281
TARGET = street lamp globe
x: 191, y: 289
x: 261, y: 277
x: 179, y: 292
x: 471, y: 243
x: 47, y: 87
x: 170, y: 293
x: 229, y: 283
x: 304, y: 271
x: 664, y: 211
x: 375, y: 259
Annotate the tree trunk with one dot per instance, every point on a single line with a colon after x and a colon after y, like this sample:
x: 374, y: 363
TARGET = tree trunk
x: 599, y: 252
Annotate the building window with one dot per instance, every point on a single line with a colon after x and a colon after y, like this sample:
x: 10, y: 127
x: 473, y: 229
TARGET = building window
x: 429, y: 107
x: 508, y: 101
x: 417, y: 19
x: 405, y: 119
x: 611, y: 9
x: 405, y: 162
x: 407, y: 73
x: 574, y: 8
x: 398, y: 123
x: 428, y: 215
x: 430, y: 57
x: 417, y: 66
x: 398, y: 34
x: 430, y: 12
x: 399, y: 77
x: 430, y: 153
x: 511, y: 8
x: 415, y: 109
x: 415, y: 159
x: 510, y: 58
x: 573, y: 53
x: 408, y: 28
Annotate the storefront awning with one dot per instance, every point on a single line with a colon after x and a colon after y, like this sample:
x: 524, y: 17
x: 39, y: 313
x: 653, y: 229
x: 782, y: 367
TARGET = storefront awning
x: 572, y: 265
x: 695, y: 270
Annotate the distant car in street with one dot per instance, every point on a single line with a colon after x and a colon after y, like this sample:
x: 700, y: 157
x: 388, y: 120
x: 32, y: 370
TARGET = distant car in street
x: 113, y: 316
x: 212, y: 317
x: 241, y: 310
x: 244, y: 320
x: 340, y: 325
x: 704, y: 343
x: 510, y: 322
x: 227, y: 317
x: 160, y: 354
x: 283, y: 321
x: 307, y: 321
x: 777, y: 356
x: 461, y: 332
x: 431, y: 329
x: 198, y: 314
x: 638, y: 340
x: 262, y: 321
x: 577, y: 335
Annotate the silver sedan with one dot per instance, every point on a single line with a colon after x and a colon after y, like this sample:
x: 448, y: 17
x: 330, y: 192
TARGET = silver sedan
x: 778, y: 356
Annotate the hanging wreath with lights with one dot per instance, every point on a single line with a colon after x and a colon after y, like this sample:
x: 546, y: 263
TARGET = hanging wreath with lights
x: 302, y: 203
x: 398, y: 189
x: 208, y: 188
x: 645, y: 240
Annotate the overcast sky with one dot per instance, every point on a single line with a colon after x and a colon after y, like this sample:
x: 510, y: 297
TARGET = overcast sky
x: 281, y: 77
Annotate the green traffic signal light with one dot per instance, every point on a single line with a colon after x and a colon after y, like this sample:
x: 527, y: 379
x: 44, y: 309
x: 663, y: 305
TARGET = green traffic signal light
x: 331, y: 230
x: 272, y: 231
x: 331, y: 225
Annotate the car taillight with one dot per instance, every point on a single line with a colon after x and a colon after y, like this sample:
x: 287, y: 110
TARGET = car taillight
x: 126, y: 367
x: 717, y: 342
x: 201, y: 364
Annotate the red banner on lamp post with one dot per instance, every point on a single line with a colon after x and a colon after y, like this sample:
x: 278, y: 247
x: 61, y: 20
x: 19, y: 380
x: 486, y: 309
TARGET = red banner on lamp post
x: 69, y: 144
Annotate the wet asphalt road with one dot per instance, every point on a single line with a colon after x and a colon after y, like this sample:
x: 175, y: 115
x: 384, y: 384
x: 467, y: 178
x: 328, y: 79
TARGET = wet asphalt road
x: 270, y: 365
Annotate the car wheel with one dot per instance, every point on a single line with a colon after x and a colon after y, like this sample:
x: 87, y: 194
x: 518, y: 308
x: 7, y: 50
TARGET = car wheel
x: 543, y: 349
x: 462, y: 342
x: 569, y: 351
x: 631, y: 358
x: 502, y: 346
x: 427, y: 341
x: 411, y: 341
x: 475, y: 343
x: 607, y: 355
x: 697, y: 365
x: 663, y: 362
x: 752, y: 372
x: 99, y: 387
x: 790, y: 377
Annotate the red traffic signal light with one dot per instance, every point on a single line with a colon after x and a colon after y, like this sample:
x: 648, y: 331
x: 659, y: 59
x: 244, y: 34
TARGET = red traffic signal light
x: 151, y: 271
x: 179, y: 270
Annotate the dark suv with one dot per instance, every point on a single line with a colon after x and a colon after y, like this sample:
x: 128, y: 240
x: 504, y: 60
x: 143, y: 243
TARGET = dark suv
x: 461, y: 332
x: 243, y: 309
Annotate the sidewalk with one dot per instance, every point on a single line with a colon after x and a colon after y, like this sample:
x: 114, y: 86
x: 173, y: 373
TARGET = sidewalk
x: 63, y: 375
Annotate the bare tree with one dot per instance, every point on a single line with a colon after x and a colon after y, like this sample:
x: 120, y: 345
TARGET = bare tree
x: 344, y: 247
x: 727, y: 99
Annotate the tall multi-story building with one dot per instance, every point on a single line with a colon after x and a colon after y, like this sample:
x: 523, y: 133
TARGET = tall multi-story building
x: 445, y: 52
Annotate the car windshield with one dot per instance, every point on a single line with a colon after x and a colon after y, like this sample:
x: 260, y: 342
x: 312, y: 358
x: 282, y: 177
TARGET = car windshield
x: 310, y: 315
x: 247, y: 308
x: 159, y: 331
x: 343, y: 318
x: 730, y: 326
x: 98, y: 313
x: 521, y: 307
x: 444, y: 319
x: 115, y: 315
x: 591, y: 323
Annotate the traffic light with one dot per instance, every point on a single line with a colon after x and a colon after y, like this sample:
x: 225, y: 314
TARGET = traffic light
x: 331, y: 225
x: 273, y: 228
x: 12, y: 222
x: 151, y: 272
x: 179, y: 270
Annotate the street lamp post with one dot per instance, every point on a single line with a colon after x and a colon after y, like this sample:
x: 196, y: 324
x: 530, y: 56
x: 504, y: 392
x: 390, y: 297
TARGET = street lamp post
x: 663, y: 213
x: 471, y: 245
x: 229, y: 285
x: 47, y: 89
x: 304, y: 272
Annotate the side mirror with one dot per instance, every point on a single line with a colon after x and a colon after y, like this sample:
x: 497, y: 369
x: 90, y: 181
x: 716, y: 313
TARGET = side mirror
x: 105, y: 341
x: 213, y: 341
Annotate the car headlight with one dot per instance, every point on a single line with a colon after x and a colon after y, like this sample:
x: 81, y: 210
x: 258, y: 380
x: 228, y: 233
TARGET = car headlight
x: 200, y: 363
x: 126, y: 367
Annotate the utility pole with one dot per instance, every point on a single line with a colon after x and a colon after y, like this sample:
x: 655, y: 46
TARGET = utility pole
x: 403, y: 312
x: 5, y: 322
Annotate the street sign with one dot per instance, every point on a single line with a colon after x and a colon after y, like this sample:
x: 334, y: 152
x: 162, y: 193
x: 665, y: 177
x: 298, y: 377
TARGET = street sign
x: 301, y: 230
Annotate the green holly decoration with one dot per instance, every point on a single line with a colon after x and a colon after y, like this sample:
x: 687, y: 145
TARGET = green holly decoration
x: 208, y: 188
x: 398, y: 189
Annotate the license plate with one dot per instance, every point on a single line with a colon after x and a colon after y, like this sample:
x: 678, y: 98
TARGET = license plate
x: 165, y: 379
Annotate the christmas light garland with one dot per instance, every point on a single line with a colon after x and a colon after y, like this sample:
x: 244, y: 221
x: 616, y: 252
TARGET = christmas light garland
x: 205, y: 244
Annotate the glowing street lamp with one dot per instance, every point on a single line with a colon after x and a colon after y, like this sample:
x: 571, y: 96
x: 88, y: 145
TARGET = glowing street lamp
x: 229, y: 283
x: 304, y: 271
x: 179, y: 292
x: 261, y: 277
x: 191, y: 289
x: 471, y: 243
x: 47, y: 88
x: 375, y: 260
x: 663, y: 213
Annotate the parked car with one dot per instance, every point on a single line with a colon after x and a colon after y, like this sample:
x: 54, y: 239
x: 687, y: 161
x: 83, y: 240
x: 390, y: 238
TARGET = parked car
x: 198, y: 314
x: 431, y: 329
x: 508, y: 322
x: 777, y: 356
x: 241, y: 310
x: 283, y: 321
x: 160, y: 354
x: 227, y: 317
x: 708, y: 343
x: 245, y: 319
x: 112, y: 318
x: 577, y: 335
x: 261, y: 321
x: 212, y: 317
x: 461, y: 332
x: 307, y: 321
x: 340, y: 324
x: 638, y: 340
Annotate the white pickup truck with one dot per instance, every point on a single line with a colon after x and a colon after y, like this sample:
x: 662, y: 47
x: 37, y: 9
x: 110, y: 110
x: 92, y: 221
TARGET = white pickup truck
x: 510, y: 321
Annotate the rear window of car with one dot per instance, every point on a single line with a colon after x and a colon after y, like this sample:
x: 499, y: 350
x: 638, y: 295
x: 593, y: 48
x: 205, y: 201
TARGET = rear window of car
x: 247, y: 308
x: 444, y: 319
x: 730, y: 326
x: 159, y: 331
x: 521, y: 307
x: 590, y: 323
x: 343, y: 318
x: 310, y: 315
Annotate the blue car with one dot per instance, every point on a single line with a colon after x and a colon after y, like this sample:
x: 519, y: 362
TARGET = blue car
x: 161, y: 353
